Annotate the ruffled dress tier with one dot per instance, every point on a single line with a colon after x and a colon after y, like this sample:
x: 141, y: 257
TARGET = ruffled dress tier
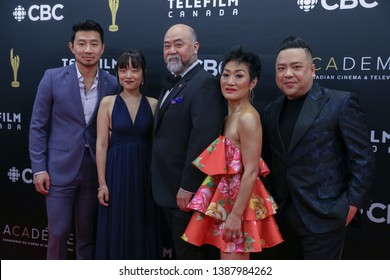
x: 214, y: 200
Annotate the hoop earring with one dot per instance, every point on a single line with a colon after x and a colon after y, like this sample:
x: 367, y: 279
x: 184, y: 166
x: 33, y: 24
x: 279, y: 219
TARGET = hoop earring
x: 251, y: 95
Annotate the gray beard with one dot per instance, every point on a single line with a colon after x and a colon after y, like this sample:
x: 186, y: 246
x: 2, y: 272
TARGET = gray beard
x: 179, y: 67
x: 175, y: 67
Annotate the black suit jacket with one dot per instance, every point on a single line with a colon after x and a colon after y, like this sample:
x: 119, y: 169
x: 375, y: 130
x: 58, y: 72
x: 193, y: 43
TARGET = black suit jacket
x: 188, y: 121
x: 329, y: 163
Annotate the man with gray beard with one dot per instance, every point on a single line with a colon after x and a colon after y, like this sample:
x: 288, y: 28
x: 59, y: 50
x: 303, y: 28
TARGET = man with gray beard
x: 188, y: 118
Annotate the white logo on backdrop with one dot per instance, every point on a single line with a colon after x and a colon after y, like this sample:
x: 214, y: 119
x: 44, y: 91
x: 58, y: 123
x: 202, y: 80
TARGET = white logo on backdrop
x: 380, y: 140
x: 19, y: 13
x: 307, y: 5
x: 379, y: 213
x: 30, y: 236
x: 14, y: 175
x: 352, y: 68
x: 10, y: 121
x: 330, y: 5
x: 42, y: 12
x: 202, y: 8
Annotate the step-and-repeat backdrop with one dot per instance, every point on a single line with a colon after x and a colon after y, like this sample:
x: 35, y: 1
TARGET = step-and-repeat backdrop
x: 350, y: 40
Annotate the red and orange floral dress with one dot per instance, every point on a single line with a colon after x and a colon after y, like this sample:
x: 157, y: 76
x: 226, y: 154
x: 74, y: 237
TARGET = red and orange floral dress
x: 215, y: 198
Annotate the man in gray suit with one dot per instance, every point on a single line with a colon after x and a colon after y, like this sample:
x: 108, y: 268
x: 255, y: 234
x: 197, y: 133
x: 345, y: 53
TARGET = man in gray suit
x: 317, y: 144
x: 188, y: 118
x: 63, y: 138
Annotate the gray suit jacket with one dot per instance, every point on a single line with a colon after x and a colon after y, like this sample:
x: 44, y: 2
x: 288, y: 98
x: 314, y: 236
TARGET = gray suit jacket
x: 329, y: 163
x: 58, y: 132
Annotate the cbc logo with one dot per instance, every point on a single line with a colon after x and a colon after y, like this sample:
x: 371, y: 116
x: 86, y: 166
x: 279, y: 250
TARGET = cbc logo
x: 379, y: 213
x: 39, y: 12
x: 330, y: 5
x: 307, y: 5
x: 14, y: 175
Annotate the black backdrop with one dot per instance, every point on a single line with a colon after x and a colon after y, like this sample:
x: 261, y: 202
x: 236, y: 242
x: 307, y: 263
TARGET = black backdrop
x: 350, y: 40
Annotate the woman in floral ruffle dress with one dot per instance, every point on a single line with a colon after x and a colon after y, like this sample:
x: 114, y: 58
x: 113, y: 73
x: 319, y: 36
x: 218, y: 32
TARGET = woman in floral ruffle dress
x: 233, y: 210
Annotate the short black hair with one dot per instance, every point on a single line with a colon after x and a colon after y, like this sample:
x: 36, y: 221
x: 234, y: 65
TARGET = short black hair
x: 133, y: 56
x: 87, y: 25
x: 240, y: 55
x: 294, y: 42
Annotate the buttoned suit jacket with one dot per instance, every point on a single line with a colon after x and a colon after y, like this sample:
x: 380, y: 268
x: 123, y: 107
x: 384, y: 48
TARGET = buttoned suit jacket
x: 188, y: 121
x: 58, y: 131
x: 329, y: 163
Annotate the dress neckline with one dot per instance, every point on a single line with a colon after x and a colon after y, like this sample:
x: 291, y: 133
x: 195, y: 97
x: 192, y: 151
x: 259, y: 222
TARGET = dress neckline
x: 133, y: 122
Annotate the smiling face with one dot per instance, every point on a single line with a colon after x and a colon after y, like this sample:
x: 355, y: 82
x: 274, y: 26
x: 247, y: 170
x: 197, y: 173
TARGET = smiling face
x: 130, y: 78
x: 87, y: 48
x: 180, y: 48
x: 235, y: 81
x: 295, y: 72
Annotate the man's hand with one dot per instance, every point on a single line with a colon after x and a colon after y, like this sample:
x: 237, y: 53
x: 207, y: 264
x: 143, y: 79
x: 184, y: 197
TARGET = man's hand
x: 42, y: 183
x: 182, y: 199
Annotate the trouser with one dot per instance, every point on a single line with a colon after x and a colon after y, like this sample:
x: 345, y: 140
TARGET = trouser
x: 300, y: 243
x: 177, y: 221
x: 78, y: 200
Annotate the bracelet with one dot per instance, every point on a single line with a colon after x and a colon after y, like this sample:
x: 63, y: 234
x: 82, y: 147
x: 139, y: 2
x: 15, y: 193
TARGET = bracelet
x: 102, y: 187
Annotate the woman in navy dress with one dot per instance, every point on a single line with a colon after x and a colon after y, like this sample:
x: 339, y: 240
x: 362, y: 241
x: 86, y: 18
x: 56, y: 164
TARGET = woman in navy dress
x: 127, y: 217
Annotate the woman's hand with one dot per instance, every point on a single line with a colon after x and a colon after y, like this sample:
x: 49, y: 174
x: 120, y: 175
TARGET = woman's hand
x: 103, y: 195
x: 232, y: 230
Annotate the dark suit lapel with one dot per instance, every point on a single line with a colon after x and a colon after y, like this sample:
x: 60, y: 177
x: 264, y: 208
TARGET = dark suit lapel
x: 102, y: 85
x: 73, y: 84
x: 310, y: 110
x: 173, y: 94
x: 274, y: 121
x: 157, y: 116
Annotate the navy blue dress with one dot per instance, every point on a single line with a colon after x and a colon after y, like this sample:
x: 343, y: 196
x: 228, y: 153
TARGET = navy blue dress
x: 128, y: 227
